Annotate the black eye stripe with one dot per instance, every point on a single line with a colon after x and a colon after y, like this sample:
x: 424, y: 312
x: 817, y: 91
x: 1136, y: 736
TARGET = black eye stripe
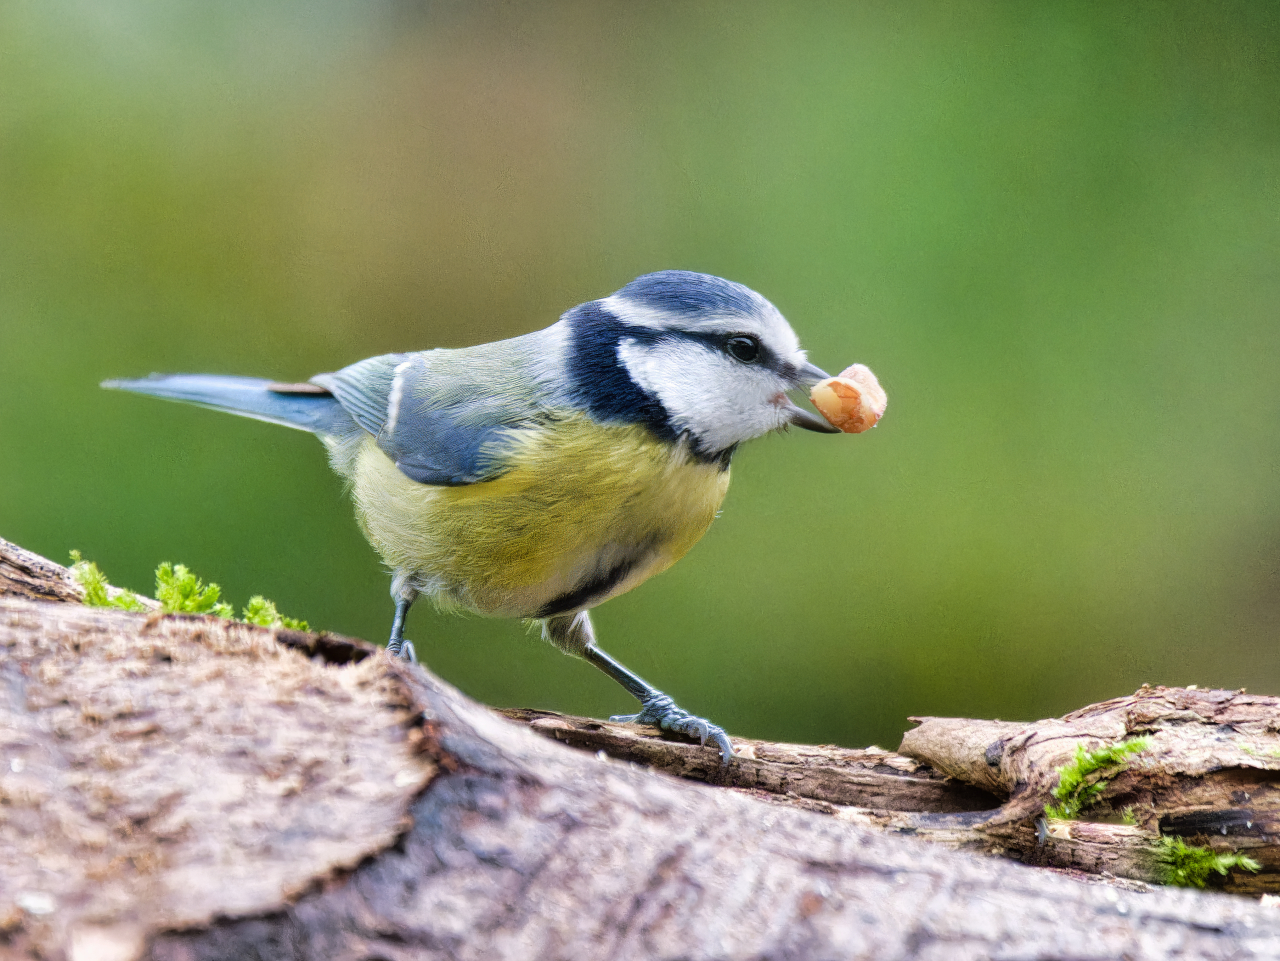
x: 718, y: 343
x: 764, y: 357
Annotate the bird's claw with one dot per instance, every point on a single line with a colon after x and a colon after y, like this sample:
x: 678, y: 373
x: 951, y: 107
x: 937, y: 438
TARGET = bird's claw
x: 661, y: 711
x: 403, y: 648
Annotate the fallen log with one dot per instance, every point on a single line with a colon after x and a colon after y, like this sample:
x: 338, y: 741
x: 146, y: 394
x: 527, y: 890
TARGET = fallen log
x: 1209, y: 777
x: 179, y: 787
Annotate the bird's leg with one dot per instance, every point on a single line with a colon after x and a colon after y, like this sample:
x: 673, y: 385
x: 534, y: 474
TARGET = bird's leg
x: 659, y: 709
x: 574, y: 634
x: 397, y: 646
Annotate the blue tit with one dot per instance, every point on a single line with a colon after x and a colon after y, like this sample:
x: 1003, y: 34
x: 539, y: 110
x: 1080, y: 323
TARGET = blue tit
x: 540, y: 476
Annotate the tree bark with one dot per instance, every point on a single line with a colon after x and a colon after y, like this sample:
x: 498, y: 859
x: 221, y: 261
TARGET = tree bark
x: 178, y: 787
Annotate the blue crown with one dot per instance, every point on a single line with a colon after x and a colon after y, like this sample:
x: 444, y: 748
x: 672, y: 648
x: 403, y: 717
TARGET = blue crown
x: 684, y: 291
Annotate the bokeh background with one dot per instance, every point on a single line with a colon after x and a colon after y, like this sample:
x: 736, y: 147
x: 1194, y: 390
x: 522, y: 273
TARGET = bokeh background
x: 1053, y: 229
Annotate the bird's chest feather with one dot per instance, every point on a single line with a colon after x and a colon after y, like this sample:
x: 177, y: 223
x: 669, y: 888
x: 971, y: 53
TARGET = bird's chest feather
x: 584, y: 512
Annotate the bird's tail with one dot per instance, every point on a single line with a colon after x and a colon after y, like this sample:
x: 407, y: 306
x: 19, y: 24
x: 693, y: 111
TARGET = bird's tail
x: 304, y: 406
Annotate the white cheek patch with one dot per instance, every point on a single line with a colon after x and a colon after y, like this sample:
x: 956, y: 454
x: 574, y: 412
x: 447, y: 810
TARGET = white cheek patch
x: 720, y: 401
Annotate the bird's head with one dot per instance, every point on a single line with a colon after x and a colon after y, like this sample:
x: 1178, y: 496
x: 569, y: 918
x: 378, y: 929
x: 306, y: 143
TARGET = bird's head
x: 690, y: 354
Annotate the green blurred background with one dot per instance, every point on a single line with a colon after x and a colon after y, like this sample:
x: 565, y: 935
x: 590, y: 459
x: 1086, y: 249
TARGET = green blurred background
x: 1053, y: 230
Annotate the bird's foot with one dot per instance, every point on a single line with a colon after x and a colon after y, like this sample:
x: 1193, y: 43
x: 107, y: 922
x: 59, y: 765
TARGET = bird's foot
x: 661, y: 711
x: 403, y: 648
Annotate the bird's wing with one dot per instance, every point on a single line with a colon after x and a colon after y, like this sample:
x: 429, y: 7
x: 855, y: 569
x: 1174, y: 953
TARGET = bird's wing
x: 443, y: 416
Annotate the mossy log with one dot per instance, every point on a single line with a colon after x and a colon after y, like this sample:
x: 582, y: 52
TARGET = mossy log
x: 1210, y: 777
x: 180, y: 787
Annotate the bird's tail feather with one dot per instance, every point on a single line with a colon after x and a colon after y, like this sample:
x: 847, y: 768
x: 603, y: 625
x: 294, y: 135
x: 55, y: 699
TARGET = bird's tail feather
x: 303, y: 406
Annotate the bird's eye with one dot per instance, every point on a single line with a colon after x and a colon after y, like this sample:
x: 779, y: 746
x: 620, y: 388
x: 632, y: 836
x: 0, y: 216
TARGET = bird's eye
x: 745, y: 349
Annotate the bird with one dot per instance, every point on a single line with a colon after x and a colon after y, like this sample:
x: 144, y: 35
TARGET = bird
x: 538, y: 477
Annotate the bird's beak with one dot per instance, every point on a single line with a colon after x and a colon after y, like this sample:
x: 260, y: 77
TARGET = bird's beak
x: 802, y: 418
x: 807, y: 376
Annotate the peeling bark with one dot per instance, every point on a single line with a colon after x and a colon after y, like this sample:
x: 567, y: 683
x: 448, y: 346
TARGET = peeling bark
x: 1211, y: 775
x: 24, y: 574
x: 867, y: 777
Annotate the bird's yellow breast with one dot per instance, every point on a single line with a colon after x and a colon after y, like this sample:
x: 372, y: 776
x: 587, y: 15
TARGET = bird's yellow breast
x: 585, y: 512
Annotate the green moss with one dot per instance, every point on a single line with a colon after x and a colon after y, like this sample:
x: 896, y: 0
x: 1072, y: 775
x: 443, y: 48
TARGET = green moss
x: 1188, y: 866
x: 128, y: 601
x: 263, y: 612
x: 86, y: 574
x: 179, y: 591
x: 1075, y: 791
x: 94, y: 582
